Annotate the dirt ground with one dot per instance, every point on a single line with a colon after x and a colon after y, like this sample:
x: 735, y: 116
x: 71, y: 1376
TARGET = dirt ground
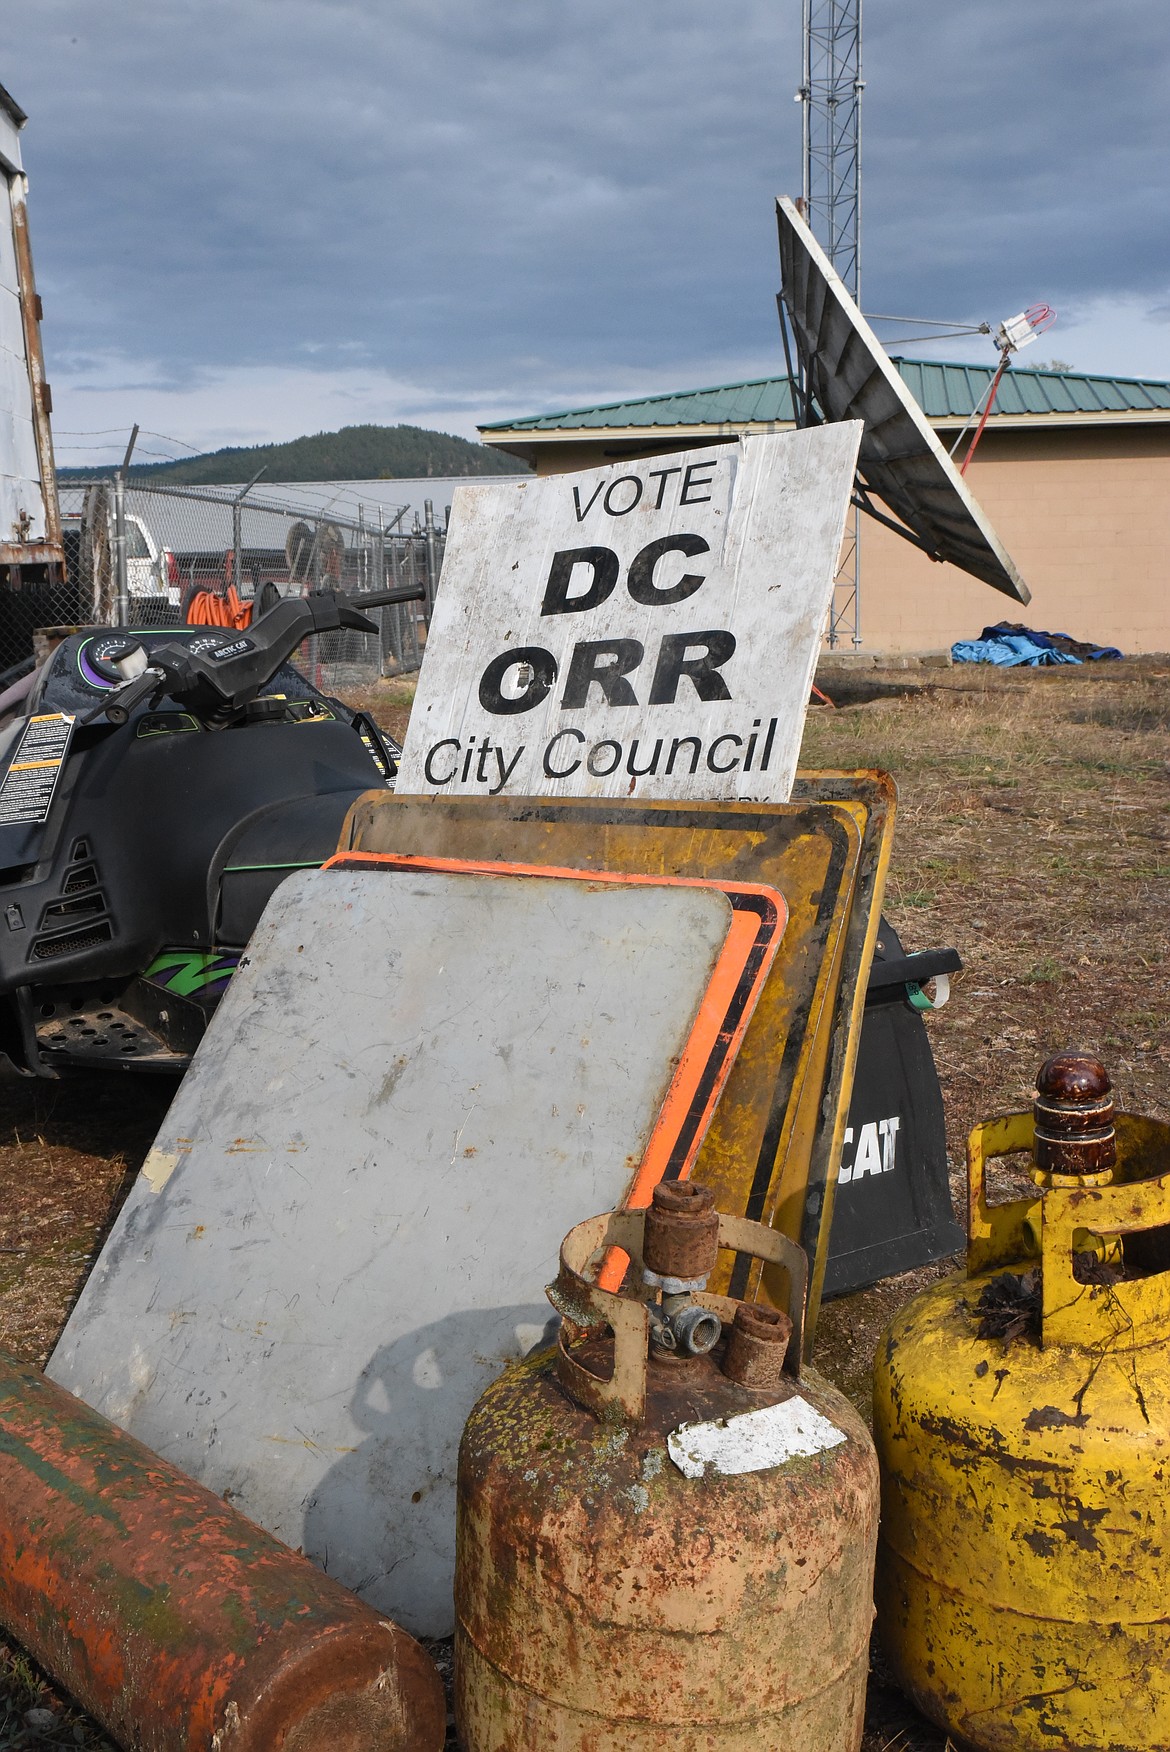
x: 1033, y: 835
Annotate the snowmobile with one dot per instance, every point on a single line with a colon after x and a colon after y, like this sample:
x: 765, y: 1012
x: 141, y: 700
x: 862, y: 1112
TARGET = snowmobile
x: 155, y: 787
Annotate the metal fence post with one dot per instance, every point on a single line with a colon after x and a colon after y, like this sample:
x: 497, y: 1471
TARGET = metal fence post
x: 237, y: 576
x: 395, y: 619
x: 432, y: 559
x: 121, y: 569
x: 121, y: 577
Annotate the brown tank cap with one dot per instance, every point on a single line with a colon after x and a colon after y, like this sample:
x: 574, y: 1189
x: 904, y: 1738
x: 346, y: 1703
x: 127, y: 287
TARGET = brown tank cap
x: 681, y: 1238
x: 757, y: 1346
x: 1073, y: 1076
x: 682, y: 1196
x: 1073, y: 1113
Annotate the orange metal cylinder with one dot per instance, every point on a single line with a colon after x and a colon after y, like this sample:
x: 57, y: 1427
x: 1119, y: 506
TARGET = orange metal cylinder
x: 174, y: 1621
x: 653, y: 1556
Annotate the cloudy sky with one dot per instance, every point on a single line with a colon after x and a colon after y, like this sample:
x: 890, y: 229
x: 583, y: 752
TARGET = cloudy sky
x: 257, y: 218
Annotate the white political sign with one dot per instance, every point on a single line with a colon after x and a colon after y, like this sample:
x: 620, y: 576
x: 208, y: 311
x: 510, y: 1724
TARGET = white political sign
x: 650, y: 629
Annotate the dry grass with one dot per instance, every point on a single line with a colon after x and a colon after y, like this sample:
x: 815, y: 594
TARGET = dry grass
x: 67, y: 1154
x: 389, y: 702
x: 1033, y: 834
x: 34, y: 1716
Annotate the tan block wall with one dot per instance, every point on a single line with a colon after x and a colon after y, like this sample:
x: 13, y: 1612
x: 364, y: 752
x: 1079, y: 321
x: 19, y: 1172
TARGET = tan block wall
x: 1085, y: 515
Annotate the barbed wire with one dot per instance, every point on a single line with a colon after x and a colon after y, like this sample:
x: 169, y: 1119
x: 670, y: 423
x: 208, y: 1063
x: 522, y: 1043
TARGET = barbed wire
x: 141, y: 450
x: 117, y: 432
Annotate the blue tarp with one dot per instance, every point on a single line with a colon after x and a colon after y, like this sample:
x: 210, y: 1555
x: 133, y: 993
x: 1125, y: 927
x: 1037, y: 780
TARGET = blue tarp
x: 1010, y: 646
x: 1008, y: 649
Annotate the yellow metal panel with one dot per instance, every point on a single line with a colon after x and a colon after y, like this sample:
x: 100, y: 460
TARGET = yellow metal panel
x: 759, y: 1150
x: 1001, y: 1234
x: 878, y: 793
x: 828, y: 858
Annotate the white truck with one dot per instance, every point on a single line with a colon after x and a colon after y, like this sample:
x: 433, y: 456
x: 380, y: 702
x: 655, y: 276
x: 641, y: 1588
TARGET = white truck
x: 152, y: 573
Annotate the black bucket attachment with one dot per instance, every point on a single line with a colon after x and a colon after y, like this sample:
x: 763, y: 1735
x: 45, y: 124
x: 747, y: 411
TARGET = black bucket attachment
x: 893, y: 1210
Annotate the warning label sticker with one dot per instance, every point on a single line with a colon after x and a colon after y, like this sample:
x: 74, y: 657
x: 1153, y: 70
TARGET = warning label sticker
x: 26, y: 790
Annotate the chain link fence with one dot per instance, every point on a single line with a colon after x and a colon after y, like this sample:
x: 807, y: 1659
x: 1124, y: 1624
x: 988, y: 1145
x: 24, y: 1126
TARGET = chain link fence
x: 24, y: 607
x: 206, y: 553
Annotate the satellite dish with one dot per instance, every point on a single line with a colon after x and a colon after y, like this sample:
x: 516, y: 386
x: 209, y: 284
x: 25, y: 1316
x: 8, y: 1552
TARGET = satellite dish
x: 848, y: 376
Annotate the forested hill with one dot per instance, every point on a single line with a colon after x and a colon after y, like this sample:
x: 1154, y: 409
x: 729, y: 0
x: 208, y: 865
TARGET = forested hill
x: 356, y: 453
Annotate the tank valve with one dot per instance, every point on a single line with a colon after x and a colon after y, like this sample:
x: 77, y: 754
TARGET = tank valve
x: 681, y: 1246
x: 663, y: 1313
x: 1073, y: 1114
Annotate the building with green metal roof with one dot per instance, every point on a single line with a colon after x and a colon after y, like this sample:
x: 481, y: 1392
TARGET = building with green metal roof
x: 945, y: 393
x: 1073, y: 470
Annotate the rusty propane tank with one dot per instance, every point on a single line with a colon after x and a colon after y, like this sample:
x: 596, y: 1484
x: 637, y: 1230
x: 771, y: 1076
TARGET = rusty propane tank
x: 1022, y: 1419
x: 665, y: 1535
x: 174, y: 1621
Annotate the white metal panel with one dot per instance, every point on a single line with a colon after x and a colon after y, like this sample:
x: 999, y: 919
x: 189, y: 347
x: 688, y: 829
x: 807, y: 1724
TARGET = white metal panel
x: 414, y: 1088
x: 9, y: 273
x: 14, y: 383
x: 11, y: 326
x: 757, y: 526
x: 9, y: 141
x: 17, y: 483
x: 20, y: 469
x: 851, y: 378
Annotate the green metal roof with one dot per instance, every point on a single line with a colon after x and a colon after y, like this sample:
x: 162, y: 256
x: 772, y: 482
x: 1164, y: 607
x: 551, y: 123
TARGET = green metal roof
x: 942, y: 391
x: 951, y: 391
x: 767, y: 399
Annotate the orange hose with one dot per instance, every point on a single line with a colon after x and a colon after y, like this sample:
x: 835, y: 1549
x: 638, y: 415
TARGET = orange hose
x: 207, y: 609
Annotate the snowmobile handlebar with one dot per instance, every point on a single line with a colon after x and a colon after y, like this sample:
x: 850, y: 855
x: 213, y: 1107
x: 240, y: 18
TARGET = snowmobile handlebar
x: 215, y: 683
x: 387, y: 598
x: 130, y: 694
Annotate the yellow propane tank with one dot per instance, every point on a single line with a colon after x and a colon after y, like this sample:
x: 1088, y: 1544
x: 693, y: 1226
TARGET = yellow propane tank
x: 1022, y: 1419
x: 665, y: 1536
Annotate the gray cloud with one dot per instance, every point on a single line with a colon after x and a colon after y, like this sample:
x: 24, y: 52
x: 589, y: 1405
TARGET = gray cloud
x: 485, y: 197
x: 1016, y: 152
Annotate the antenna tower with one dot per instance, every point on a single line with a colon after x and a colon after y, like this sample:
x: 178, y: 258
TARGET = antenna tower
x: 831, y: 95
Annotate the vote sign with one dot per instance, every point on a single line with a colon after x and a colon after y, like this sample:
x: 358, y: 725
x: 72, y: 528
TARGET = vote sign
x: 649, y: 629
